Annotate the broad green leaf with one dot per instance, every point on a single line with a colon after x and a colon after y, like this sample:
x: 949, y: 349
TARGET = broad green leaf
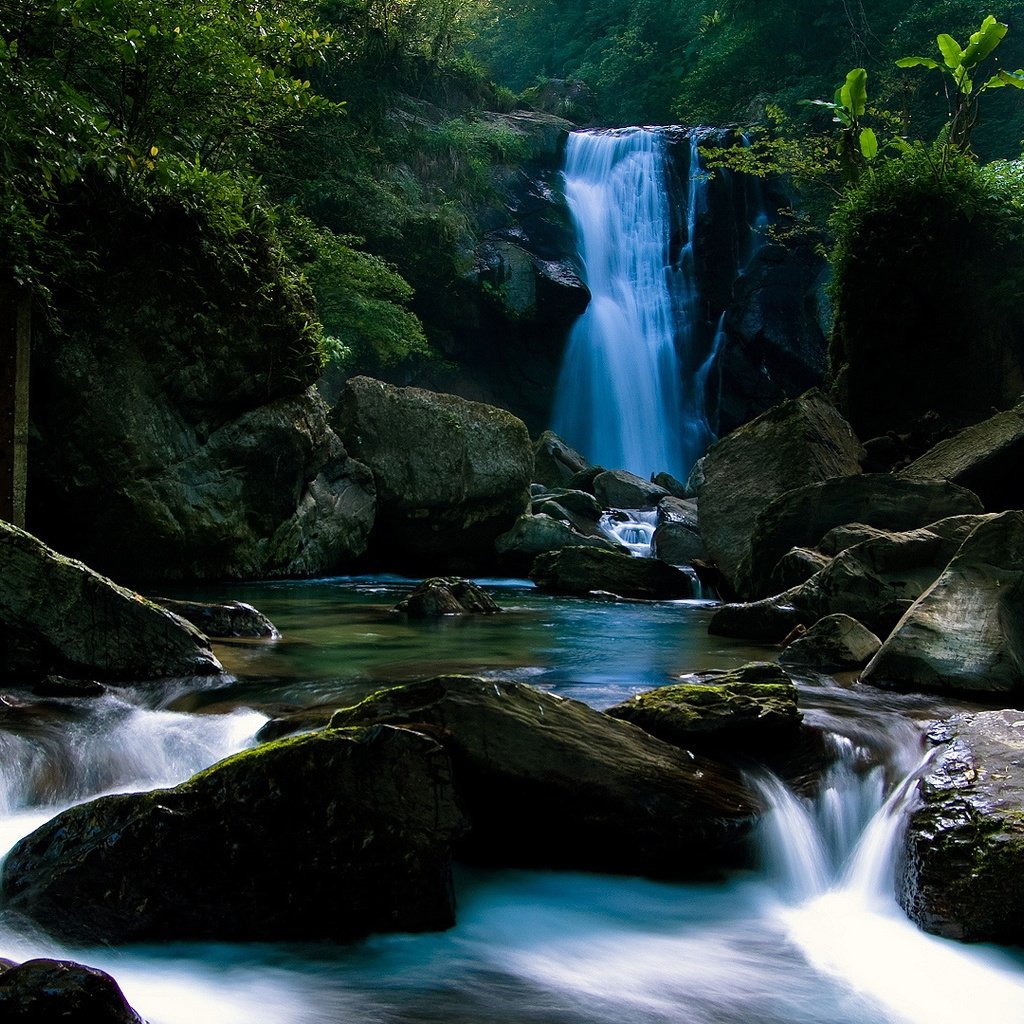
x: 854, y: 94
x: 913, y: 62
x: 984, y: 41
x: 868, y: 144
x: 951, y: 50
x: 1004, y: 78
x: 963, y: 80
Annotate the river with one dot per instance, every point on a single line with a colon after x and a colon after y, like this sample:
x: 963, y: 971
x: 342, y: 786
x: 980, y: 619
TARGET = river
x: 813, y: 936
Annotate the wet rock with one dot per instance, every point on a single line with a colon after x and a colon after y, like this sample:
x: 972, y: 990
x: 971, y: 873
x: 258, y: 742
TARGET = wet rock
x: 801, y: 517
x: 965, y: 633
x: 584, y: 479
x: 618, y: 489
x: 328, y: 836
x: 834, y: 643
x: 961, y: 873
x: 874, y: 582
x: 585, y: 570
x: 447, y: 596
x: 842, y: 537
x: 59, y: 686
x: 799, y: 442
x: 554, y: 462
x: 59, y: 617
x: 534, y: 535
x: 47, y: 991
x: 985, y: 458
x: 796, y: 566
x: 229, y: 619
x: 451, y: 475
x: 676, y: 488
x: 677, y: 539
x: 743, y: 711
x: 583, y: 508
x: 549, y: 782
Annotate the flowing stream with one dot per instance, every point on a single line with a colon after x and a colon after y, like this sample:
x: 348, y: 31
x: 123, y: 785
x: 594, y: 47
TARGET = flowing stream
x: 812, y: 936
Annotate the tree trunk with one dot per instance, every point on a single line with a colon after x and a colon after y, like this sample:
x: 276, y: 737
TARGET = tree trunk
x: 15, y: 337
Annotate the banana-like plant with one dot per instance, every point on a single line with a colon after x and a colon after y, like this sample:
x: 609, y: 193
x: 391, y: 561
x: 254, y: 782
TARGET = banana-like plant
x: 858, y: 145
x: 960, y: 67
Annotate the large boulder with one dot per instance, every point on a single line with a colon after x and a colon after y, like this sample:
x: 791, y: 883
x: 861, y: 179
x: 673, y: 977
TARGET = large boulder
x: 328, y: 836
x: 961, y: 873
x: 554, y: 462
x: 451, y: 475
x: 550, y: 782
x: 802, y: 441
x: 59, y: 616
x: 750, y: 710
x: 587, y: 570
x: 874, y: 582
x: 615, y: 488
x: 801, y: 517
x: 677, y: 539
x: 985, y: 457
x: 222, y: 619
x: 47, y: 991
x: 965, y: 634
x: 834, y: 643
x: 534, y: 535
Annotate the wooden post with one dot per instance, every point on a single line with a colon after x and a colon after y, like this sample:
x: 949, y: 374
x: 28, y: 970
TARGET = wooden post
x: 15, y: 339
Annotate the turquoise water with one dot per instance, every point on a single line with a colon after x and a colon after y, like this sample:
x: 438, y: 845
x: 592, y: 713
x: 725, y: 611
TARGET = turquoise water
x: 820, y: 942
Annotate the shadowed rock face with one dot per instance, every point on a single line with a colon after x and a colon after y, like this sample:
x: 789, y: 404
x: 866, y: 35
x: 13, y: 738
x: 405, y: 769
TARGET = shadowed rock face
x: 799, y: 442
x: 965, y: 634
x: 329, y: 836
x: 585, y: 570
x: 46, y: 991
x: 450, y: 475
x: 59, y: 616
x: 962, y: 867
x: 550, y: 782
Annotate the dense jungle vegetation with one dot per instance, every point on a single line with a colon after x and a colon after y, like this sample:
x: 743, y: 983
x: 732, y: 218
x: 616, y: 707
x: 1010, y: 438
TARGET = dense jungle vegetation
x: 334, y: 154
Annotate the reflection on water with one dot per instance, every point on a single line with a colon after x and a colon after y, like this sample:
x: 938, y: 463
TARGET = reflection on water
x: 814, y: 937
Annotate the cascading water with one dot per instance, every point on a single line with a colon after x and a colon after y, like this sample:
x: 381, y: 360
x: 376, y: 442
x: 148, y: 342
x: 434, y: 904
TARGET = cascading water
x: 633, y: 390
x: 618, y: 397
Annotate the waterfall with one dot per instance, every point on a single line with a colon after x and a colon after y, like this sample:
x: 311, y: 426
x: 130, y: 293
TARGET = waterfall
x: 618, y: 398
x: 633, y: 392
x: 633, y: 528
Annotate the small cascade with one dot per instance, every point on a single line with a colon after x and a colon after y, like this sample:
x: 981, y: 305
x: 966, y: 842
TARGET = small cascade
x: 633, y: 528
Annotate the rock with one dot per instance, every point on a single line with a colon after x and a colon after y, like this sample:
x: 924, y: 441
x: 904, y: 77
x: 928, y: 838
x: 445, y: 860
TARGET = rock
x: 961, y: 873
x: 965, y: 633
x: 741, y: 711
x: 554, y: 462
x: 581, y: 506
x: 584, y: 479
x: 801, y: 517
x: 549, y: 782
x: 584, y: 570
x: 230, y: 619
x: 985, y: 458
x: 842, y: 537
x: 678, y: 544
x: 799, y: 442
x: 695, y: 480
x: 874, y: 582
x: 451, y: 475
x: 165, y: 491
x: 59, y: 686
x: 571, y: 99
x: 676, y: 488
x: 534, y: 535
x: 447, y: 596
x: 618, y: 489
x: 679, y: 510
x: 328, y: 836
x: 796, y: 566
x: 834, y: 643
x: 47, y: 991
x: 59, y: 617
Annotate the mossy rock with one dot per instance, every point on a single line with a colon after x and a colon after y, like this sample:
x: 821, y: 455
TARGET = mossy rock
x: 746, y: 710
x: 329, y: 836
x: 550, y: 782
